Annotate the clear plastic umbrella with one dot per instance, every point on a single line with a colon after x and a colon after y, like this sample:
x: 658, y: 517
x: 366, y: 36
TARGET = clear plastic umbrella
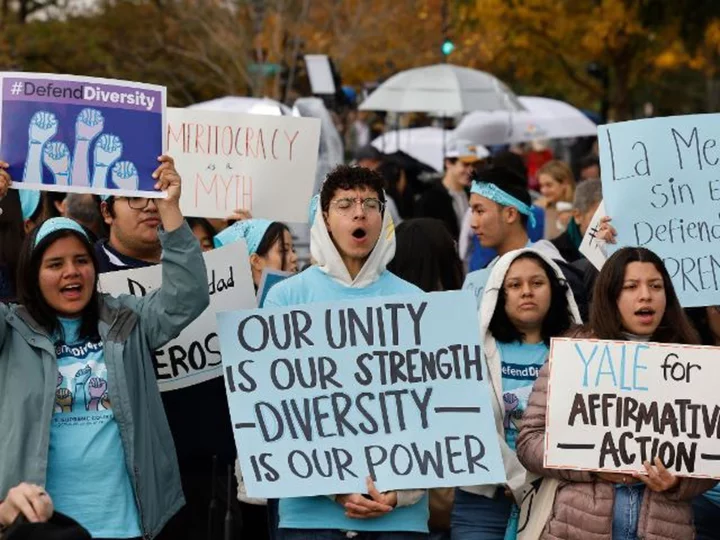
x: 245, y: 104
x: 425, y: 144
x: 444, y: 89
x: 543, y: 118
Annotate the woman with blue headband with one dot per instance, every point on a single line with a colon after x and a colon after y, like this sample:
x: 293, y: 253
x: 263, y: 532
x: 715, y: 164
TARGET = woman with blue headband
x: 83, y: 426
x: 269, y: 245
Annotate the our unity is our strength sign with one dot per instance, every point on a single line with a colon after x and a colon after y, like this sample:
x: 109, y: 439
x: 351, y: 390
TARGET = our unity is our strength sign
x: 322, y: 396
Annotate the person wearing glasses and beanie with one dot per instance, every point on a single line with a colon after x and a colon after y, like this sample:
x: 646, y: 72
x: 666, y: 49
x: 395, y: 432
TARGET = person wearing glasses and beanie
x: 352, y: 239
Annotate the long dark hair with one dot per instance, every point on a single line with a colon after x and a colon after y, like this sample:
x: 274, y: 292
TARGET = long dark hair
x: 425, y: 255
x: 558, y: 319
x: 12, y: 233
x: 28, y: 286
x: 699, y: 317
x: 272, y: 236
x: 605, y: 318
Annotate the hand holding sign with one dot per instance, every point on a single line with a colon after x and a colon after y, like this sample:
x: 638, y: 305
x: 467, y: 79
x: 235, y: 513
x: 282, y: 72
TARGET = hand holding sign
x: 606, y: 232
x: 324, y: 395
x: 658, y: 478
x: 360, y: 507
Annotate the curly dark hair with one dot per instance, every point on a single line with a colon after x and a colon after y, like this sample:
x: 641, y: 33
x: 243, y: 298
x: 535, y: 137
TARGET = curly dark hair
x: 558, y: 319
x: 346, y: 177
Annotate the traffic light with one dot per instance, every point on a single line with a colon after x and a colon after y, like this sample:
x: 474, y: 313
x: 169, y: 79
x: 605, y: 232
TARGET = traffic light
x: 447, y: 47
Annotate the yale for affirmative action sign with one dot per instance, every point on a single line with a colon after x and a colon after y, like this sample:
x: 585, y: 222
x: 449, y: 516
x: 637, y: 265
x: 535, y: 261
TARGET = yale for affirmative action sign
x: 614, y: 405
x: 324, y: 395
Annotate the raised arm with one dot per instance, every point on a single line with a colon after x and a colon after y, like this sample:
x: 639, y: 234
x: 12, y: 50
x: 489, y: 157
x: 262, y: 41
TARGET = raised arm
x: 183, y: 296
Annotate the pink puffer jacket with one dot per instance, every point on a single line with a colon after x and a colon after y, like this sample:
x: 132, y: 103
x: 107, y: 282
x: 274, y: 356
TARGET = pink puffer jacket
x: 583, y: 506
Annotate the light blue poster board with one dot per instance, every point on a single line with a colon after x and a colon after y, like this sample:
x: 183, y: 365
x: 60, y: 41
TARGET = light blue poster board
x: 322, y: 396
x: 269, y: 279
x: 475, y: 283
x: 661, y: 185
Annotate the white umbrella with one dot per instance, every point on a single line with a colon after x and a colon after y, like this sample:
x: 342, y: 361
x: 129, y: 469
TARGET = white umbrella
x: 543, y: 118
x: 444, y: 89
x: 243, y: 104
x: 425, y: 144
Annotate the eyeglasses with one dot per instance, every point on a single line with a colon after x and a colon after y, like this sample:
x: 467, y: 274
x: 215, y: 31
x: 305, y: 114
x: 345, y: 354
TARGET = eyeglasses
x: 138, y: 203
x: 369, y: 205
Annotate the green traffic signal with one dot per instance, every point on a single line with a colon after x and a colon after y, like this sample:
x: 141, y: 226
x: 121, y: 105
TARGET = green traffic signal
x: 447, y: 47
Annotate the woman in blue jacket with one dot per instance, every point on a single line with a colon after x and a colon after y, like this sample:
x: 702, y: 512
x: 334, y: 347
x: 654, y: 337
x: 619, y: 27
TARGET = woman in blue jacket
x: 83, y: 427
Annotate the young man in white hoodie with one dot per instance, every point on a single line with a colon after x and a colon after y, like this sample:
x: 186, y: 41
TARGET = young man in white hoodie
x: 352, y: 240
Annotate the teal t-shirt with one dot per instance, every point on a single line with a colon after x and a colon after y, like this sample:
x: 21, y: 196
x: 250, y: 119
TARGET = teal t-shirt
x: 87, y: 477
x: 713, y: 495
x: 313, y: 285
x: 521, y: 365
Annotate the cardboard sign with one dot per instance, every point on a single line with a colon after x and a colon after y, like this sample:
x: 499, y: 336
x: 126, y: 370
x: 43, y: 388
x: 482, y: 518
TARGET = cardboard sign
x: 228, y: 161
x: 269, y: 279
x: 81, y: 134
x: 661, y: 184
x: 324, y: 395
x: 613, y: 405
x: 595, y: 249
x: 475, y: 283
x: 194, y: 356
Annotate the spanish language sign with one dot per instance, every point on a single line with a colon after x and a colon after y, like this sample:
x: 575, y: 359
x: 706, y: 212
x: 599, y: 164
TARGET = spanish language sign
x: 661, y: 185
x: 264, y: 164
x: 613, y: 405
x: 194, y: 356
x: 324, y: 395
x: 81, y: 134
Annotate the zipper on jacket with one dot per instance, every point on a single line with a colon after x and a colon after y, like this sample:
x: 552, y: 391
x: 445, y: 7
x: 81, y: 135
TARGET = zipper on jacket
x: 147, y: 535
x: 136, y: 472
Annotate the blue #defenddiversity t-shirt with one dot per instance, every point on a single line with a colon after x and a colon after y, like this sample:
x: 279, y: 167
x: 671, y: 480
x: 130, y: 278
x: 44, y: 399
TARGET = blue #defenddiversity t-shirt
x: 87, y: 476
x: 521, y: 365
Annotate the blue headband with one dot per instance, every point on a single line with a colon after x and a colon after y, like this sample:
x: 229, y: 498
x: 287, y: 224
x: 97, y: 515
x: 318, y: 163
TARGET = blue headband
x: 250, y: 230
x: 58, y: 224
x: 495, y: 194
x: 29, y: 202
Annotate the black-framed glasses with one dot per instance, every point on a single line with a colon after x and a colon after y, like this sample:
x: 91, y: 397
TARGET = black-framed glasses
x: 369, y: 205
x: 138, y: 203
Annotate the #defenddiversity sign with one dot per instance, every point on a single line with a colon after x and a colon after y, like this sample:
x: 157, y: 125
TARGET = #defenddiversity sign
x: 324, y: 395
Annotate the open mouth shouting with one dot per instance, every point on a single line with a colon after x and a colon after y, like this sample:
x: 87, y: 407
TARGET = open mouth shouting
x: 72, y: 291
x: 645, y: 315
x: 359, y: 236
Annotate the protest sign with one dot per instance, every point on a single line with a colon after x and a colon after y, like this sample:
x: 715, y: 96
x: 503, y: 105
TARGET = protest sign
x: 475, y: 283
x: 194, y: 356
x: 81, y: 134
x: 264, y: 164
x: 269, y: 279
x: 613, y: 405
x: 324, y: 395
x: 594, y: 248
x: 662, y: 188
